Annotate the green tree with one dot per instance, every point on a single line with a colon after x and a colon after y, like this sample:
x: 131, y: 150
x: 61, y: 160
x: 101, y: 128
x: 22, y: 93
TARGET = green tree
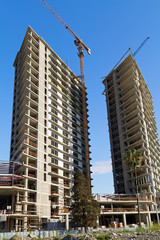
x: 133, y: 160
x: 85, y: 210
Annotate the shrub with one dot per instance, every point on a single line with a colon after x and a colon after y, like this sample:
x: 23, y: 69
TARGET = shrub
x: 127, y: 230
x: 107, y: 237
x: 103, y: 237
x: 140, y: 229
x: 155, y: 227
x: 83, y: 238
x: 100, y: 237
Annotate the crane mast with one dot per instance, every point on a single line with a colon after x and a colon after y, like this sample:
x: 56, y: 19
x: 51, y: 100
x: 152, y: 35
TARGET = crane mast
x: 80, y: 46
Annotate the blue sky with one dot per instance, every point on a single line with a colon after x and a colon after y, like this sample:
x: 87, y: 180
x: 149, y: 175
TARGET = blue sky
x: 108, y: 28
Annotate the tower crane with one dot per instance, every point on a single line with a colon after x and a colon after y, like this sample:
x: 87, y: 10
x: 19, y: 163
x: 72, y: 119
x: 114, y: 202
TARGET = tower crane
x: 80, y: 46
x: 78, y: 42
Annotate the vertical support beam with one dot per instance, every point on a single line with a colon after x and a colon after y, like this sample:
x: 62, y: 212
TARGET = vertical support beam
x: 147, y: 221
x: 148, y: 218
x: 98, y: 221
x: 111, y: 207
x: 16, y: 227
x: 67, y: 221
x: 124, y: 220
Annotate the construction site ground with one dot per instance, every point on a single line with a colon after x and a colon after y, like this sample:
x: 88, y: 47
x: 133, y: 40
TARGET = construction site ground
x: 113, y: 235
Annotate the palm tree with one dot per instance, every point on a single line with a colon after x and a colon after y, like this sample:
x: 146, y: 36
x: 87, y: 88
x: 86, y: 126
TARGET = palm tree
x: 133, y: 160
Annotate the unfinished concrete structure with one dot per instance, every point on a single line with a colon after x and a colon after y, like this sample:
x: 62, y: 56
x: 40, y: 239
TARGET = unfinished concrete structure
x: 47, y: 135
x: 120, y: 210
x: 132, y: 125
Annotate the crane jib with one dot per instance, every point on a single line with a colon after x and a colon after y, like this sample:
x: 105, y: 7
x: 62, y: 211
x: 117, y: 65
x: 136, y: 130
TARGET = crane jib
x: 65, y: 25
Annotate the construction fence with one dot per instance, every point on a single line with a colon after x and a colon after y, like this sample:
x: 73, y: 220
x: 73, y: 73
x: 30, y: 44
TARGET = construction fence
x: 55, y: 233
x: 39, y: 234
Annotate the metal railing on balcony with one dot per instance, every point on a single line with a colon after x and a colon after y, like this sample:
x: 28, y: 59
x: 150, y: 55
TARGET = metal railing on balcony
x: 32, y: 175
x: 121, y: 209
x: 8, y: 176
x: 30, y: 153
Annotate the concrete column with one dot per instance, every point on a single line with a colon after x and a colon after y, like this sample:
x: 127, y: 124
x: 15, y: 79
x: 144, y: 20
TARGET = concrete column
x: 16, y: 227
x: 67, y: 221
x: 97, y: 221
x: 6, y: 225
x: 17, y: 196
x: 112, y: 207
x: 13, y: 203
x: 149, y: 218
x: 25, y: 226
x: 124, y: 220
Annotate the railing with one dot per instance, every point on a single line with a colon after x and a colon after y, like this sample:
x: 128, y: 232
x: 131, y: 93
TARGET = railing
x: 18, y: 185
x: 30, y: 143
x: 31, y: 175
x: 54, y: 192
x: 53, y: 171
x: 120, y: 210
x: 6, y: 183
x: 32, y: 134
x: 5, y: 211
x: 66, y: 185
x: 54, y: 203
x: 56, y: 182
x: 8, y: 177
x: 32, y: 164
x: 9, y: 183
x: 30, y: 153
x: 126, y: 199
x: 31, y: 200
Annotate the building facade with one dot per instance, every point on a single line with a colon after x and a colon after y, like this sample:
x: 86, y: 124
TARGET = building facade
x: 47, y: 138
x: 132, y: 125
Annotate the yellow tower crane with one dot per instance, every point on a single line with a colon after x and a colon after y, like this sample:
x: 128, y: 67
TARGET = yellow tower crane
x: 80, y: 46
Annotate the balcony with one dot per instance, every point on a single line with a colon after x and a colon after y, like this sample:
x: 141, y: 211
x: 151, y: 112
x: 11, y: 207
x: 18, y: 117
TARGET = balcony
x: 33, y: 154
x: 31, y: 133
x: 123, y: 79
x: 31, y: 143
x: 66, y: 185
x: 7, y: 179
x: 32, y: 164
x: 32, y: 175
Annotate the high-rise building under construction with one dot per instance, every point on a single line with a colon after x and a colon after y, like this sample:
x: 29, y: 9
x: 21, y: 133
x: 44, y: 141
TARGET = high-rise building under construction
x: 47, y: 139
x: 132, y: 125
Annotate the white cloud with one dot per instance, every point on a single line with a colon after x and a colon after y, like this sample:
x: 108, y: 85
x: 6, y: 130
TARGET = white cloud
x: 102, y: 167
